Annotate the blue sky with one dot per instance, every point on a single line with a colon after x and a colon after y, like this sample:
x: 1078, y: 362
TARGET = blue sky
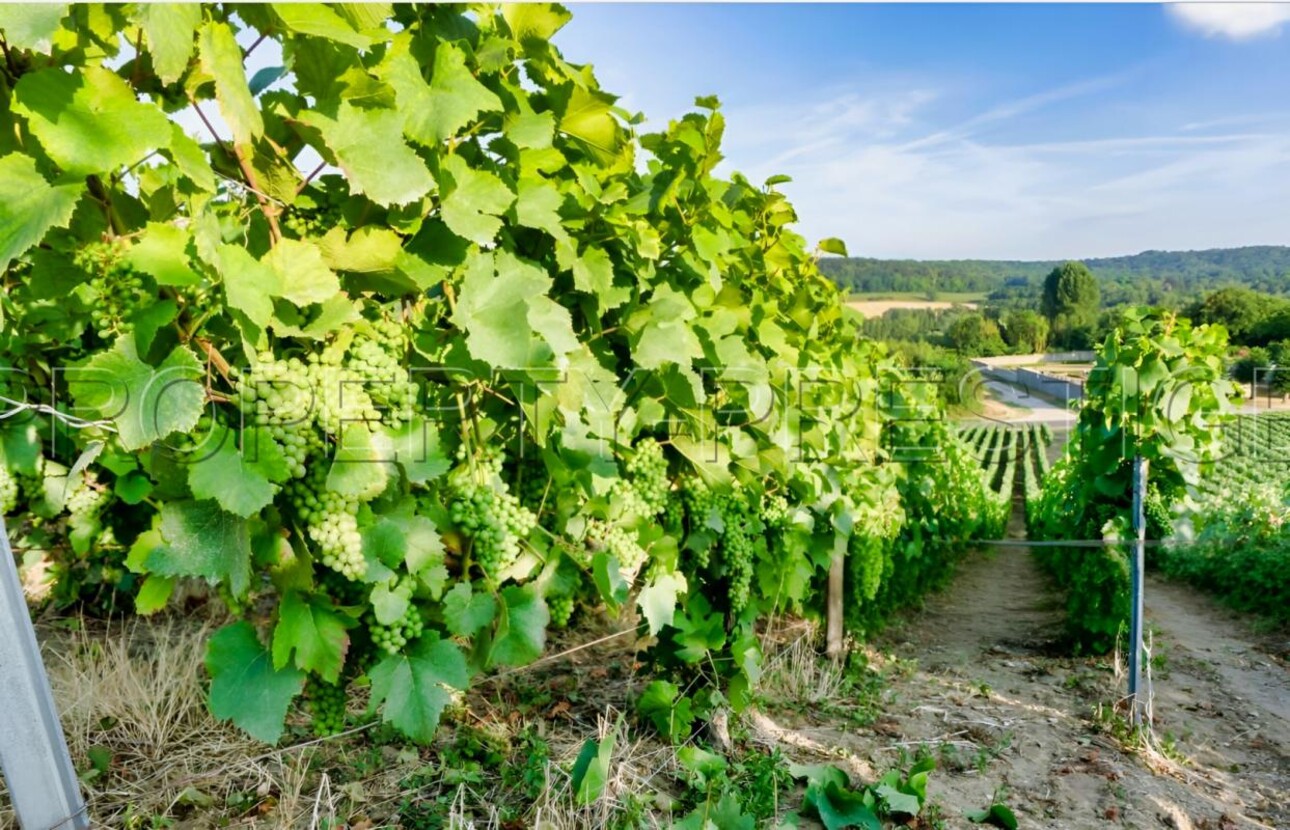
x: 991, y: 131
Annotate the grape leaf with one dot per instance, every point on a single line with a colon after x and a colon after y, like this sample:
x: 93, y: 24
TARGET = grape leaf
x: 361, y: 467
x: 241, y: 479
x: 417, y: 450
x: 657, y: 600
x: 521, y: 627
x: 315, y: 631
x: 465, y: 612
x: 403, y: 538
x: 508, y: 318
x: 607, y: 573
x: 31, y: 25
x: 537, y: 205
x: 88, y: 120
x: 412, y: 689
x: 202, y: 540
x: 303, y: 275
x: 153, y: 594
x: 588, y: 118
x: 671, y: 712
x: 30, y: 206
x: 368, y: 145
x: 245, y: 687
x: 444, y: 107
x: 162, y: 251
x: 538, y: 22
x: 222, y: 60
x: 146, y: 404
x: 249, y: 285
x: 319, y: 20
x: 169, y: 29
x: 474, y: 201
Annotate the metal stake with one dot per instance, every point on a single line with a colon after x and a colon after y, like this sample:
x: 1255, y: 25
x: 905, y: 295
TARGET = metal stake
x: 33, y: 752
x: 1138, y: 571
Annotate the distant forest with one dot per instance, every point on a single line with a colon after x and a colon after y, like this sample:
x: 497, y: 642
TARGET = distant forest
x: 1166, y: 278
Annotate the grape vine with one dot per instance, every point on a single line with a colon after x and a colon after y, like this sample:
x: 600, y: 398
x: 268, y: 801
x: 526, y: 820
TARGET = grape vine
x: 482, y: 373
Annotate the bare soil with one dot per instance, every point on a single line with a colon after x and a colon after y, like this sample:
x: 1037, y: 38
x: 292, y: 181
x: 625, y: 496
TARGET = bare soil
x: 1008, y: 717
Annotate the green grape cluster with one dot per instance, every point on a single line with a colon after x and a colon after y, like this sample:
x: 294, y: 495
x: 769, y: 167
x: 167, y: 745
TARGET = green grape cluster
x: 495, y: 521
x: 276, y: 395
x: 699, y: 501
x: 341, y: 395
x: 618, y: 543
x: 119, y: 291
x: 647, y: 471
x: 85, y: 499
x: 326, y: 704
x: 393, y: 638
x: 743, y: 540
x: 8, y: 491
x: 774, y: 509
x: 561, y: 608
x: 314, y: 212
x: 533, y: 484
x: 331, y: 520
x: 378, y: 363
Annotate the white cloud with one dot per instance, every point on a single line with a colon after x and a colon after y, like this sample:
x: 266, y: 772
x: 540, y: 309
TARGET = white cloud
x: 1235, y: 20
x: 890, y: 193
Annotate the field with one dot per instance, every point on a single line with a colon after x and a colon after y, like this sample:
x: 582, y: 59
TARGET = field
x: 422, y: 444
x: 879, y: 307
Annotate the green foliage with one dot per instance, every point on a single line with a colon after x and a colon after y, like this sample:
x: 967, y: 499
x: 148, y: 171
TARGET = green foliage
x: 973, y: 335
x: 499, y: 356
x: 1025, y: 332
x: 1070, y: 302
x: 1157, y: 390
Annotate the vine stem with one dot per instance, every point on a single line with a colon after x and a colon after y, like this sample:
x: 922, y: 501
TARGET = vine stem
x: 310, y: 177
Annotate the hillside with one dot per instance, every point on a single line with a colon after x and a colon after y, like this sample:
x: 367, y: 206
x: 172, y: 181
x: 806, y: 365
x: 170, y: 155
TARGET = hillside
x: 1151, y: 276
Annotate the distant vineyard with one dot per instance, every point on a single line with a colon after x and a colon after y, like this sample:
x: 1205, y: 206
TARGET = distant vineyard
x: 1256, y: 453
x: 1010, y: 455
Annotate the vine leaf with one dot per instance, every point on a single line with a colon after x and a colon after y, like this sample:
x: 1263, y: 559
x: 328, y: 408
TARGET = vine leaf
x: 444, y: 107
x: 319, y: 20
x: 588, y: 118
x: 169, y: 30
x: 412, y: 689
x: 88, y: 121
x: 241, y: 479
x: 245, y: 687
x: 162, y: 251
x: 536, y: 22
x: 509, y: 320
x: 222, y: 60
x: 30, y: 206
x: 657, y: 600
x: 368, y: 145
x: 303, y: 275
x: 417, y: 450
x: 31, y: 25
x: 200, y: 539
x: 521, y: 627
x: 466, y: 612
x: 317, y: 634
x: 146, y: 404
x: 474, y: 201
x: 249, y: 285
x: 361, y: 467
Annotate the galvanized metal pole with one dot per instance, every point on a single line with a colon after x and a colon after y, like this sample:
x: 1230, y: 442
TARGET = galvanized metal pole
x: 37, y: 769
x: 1138, y: 571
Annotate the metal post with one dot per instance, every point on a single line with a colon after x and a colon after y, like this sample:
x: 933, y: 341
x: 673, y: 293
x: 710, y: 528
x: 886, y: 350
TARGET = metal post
x: 1138, y: 571
x: 33, y: 752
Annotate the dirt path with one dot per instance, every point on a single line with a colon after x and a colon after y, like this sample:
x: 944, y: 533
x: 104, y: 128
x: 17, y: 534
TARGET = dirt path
x: 985, y: 689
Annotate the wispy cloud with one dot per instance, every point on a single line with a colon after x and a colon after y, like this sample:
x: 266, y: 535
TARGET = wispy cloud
x: 1235, y: 20
x: 889, y: 192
